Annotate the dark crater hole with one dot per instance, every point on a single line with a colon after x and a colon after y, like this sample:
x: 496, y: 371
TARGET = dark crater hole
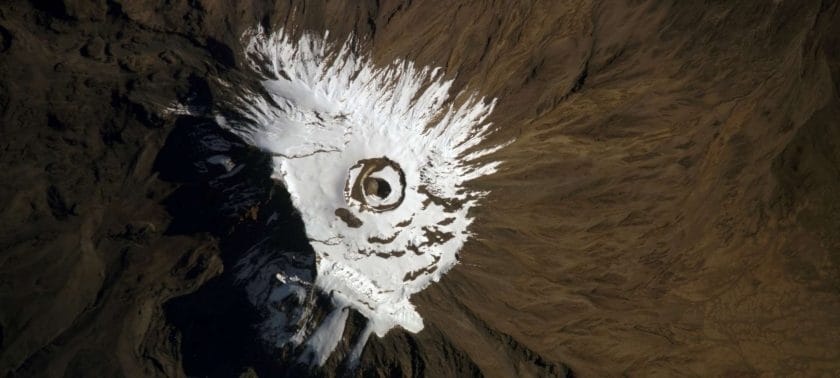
x: 378, y: 187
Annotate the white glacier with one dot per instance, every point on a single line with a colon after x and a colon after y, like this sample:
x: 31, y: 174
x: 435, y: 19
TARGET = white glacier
x: 332, y: 120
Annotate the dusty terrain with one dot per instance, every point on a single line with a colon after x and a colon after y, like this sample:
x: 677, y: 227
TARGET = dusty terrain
x: 669, y: 206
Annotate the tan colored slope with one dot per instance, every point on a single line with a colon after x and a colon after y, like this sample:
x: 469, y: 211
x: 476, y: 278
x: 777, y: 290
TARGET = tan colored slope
x: 676, y: 214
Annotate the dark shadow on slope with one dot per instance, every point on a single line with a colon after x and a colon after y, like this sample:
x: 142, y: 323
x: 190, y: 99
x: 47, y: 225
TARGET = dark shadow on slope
x: 226, y: 191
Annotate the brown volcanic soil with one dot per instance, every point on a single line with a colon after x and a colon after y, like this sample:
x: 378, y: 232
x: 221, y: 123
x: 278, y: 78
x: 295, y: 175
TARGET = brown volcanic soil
x: 669, y: 207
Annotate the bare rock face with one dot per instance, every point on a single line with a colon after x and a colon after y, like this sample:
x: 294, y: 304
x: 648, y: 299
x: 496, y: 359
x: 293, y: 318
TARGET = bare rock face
x: 668, y: 204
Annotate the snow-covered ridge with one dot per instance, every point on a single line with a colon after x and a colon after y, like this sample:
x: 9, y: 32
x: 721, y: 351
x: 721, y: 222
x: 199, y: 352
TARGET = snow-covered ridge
x: 375, y: 159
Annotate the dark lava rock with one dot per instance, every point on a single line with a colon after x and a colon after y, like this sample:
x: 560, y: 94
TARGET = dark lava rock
x: 94, y: 49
